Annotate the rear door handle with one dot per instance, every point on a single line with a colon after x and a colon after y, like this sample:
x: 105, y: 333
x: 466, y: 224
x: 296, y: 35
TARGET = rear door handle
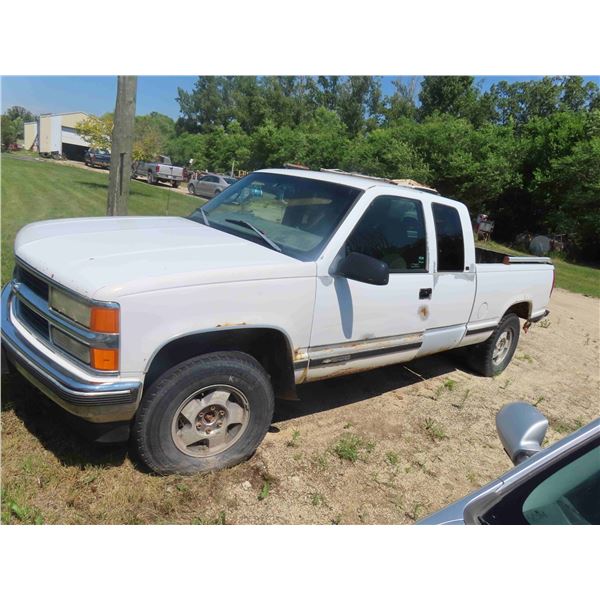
x: 425, y: 293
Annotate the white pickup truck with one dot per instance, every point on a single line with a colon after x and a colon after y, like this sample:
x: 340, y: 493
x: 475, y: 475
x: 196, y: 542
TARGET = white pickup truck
x: 179, y: 333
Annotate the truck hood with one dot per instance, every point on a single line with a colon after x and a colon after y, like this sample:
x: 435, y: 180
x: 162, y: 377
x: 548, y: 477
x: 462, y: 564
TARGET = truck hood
x: 108, y: 257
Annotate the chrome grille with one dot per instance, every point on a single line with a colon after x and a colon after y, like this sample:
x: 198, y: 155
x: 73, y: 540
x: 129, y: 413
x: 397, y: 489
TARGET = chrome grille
x: 35, y: 284
x: 32, y: 320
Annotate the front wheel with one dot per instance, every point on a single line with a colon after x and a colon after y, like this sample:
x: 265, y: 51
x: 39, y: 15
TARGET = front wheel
x: 493, y: 356
x: 204, y: 414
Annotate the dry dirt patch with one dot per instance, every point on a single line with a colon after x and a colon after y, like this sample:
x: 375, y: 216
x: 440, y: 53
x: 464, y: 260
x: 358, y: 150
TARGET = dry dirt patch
x: 389, y: 446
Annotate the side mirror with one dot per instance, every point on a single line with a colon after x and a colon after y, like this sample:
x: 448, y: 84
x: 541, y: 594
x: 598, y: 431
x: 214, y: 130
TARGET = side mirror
x: 361, y: 267
x: 521, y: 429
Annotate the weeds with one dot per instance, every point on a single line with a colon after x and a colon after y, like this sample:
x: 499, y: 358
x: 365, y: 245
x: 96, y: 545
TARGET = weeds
x: 539, y: 400
x: 449, y: 384
x: 264, y: 491
x: 392, y: 458
x: 435, y: 430
x: 565, y: 427
x: 294, y: 442
x: 352, y: 447
x: 320, y: 461
x: 218, y: 520
x: 505, y: 384
x: 13, y: 509
x: 525, y: 357
x: 415, y: 511
x: 460, y: 404
x: 317, y: 499
x: 545, y: 323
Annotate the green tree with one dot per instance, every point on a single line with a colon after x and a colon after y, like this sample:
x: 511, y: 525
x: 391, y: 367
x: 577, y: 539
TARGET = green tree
x: 384, y: 152
x: 17, y: 116
x: 97, y: 131
x: 9, y: 130
x: 152, y: 133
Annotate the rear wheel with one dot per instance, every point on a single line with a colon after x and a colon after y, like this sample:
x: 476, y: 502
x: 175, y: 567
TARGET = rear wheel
x: 216, y: 192
x: 493, y: 356
x: 205, y: 414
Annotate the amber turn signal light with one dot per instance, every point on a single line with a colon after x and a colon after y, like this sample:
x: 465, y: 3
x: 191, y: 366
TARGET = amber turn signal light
x: 104, y: 359
x: 104, y: 320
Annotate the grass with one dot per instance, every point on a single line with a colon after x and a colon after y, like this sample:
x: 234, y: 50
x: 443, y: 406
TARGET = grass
x: 434, y: 430
x: 38, y: 190
x: 392, y: 458
x: 566, y: 427
x: 351, y: 447
x: 295, y: 441
x: 569, y: 276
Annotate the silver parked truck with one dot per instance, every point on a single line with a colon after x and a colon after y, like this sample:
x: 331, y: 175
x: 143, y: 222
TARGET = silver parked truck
x: 162, y: 169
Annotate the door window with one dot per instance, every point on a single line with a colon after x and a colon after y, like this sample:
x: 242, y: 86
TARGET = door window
x: 564, y: 494
x: 392, y: 230
x: 571, y: 496
x: 449, y: 236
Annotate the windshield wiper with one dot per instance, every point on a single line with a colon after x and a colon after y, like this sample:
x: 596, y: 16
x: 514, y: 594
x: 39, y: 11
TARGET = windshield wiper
x: 256, y: 230
x: 204, y: 217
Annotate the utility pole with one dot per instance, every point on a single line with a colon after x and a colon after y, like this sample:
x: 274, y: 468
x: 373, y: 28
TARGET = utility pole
x: 122, y: 145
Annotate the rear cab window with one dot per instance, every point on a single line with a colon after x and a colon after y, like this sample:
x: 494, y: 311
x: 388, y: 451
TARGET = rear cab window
x: 449, y: 238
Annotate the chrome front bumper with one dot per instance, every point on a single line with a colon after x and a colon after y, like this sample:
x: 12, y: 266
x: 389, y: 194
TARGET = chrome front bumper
x: 97, y: 399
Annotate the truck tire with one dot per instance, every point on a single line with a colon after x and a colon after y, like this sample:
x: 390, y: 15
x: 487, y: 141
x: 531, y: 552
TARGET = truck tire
x: 175, y: 184
x: 204, y: 414
x: 493, y: 356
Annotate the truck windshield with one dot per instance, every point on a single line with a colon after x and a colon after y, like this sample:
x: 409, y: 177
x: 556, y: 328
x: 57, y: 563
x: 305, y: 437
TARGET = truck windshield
x: 297, y: 213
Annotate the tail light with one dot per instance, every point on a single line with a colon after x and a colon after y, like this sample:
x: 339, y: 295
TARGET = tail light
x: 157, y: 168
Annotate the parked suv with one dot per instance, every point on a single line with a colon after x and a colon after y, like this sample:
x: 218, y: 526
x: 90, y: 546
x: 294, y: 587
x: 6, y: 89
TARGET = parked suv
x: 209, y: 185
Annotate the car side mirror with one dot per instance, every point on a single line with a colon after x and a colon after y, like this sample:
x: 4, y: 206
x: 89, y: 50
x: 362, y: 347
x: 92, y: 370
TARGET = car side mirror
x: 521, y: 429
x: 366, y: 269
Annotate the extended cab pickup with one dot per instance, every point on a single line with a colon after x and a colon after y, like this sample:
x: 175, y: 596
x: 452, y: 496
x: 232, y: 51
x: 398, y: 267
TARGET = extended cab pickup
x: 161, y: 169
x: 181, y: 332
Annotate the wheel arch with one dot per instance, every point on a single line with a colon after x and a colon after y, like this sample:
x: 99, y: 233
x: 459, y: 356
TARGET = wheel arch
x: 269, y: 345
x: 521, y: 309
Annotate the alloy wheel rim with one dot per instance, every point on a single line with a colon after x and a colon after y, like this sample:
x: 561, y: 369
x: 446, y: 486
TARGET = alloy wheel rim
x: 503, y: 344
x: 210, y: 420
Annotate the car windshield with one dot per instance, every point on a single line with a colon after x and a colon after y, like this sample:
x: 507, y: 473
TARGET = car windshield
x: 297, y: 213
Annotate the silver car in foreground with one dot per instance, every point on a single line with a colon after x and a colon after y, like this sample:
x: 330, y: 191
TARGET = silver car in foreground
x: 209, y: 185
x: 559, y: 485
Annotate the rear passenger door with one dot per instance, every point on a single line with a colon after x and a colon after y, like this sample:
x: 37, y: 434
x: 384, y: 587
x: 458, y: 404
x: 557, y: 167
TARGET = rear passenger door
x: 453, y: 279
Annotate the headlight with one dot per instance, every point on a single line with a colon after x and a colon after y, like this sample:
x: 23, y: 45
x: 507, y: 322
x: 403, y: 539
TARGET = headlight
x: 70, y: 307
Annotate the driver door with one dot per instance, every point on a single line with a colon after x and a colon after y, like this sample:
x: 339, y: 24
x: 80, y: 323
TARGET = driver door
x: 358, y: 326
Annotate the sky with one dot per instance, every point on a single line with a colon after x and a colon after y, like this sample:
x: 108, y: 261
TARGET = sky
x: 96, y: 94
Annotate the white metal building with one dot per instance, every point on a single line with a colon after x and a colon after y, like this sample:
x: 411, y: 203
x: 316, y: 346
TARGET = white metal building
x: 56, y: 134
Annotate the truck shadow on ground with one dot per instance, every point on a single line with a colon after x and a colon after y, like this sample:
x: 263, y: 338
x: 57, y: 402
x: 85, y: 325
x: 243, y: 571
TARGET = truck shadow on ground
x: 48, y: 424
x: 328, y: 394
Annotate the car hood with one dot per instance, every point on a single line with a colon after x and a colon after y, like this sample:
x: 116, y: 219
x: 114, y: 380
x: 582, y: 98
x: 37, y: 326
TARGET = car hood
x: 108, y: 257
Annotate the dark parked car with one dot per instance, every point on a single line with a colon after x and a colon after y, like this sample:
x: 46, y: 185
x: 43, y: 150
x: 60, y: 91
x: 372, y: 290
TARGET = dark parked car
x: 97, y: 158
